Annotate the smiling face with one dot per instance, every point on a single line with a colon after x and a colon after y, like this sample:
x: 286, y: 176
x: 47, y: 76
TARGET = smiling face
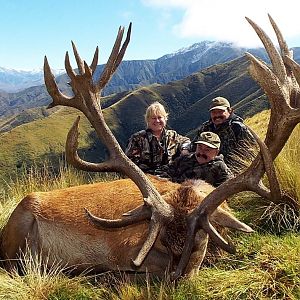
x: 156, y: 118
x: 219, y: 116
x: 157, y: 123
x: 205, y: 154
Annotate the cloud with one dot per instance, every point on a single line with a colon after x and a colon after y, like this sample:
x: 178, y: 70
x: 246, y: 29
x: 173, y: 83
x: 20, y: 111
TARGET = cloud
x: 225, y: 20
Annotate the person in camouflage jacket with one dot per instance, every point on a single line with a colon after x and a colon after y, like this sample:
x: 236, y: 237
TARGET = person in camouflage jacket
x: 204, y: 164
x: 156, y: 146
x: 236, y: 139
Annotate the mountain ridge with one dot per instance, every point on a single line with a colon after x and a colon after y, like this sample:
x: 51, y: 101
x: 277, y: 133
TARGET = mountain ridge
x: 136, y: 73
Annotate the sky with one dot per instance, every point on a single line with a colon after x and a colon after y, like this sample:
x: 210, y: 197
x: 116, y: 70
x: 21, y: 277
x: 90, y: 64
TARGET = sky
x: 31, y: 29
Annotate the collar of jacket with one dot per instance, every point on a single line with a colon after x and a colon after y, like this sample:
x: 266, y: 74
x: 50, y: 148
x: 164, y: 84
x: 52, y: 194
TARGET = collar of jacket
x: 151, y: 135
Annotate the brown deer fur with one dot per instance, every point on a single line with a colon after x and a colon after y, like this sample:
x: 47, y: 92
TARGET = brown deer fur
x: 54, y: 224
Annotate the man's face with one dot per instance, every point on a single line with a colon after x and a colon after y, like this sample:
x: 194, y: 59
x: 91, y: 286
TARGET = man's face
x: 205, y: 154
x: 219, y: 116
x: 156, y: 123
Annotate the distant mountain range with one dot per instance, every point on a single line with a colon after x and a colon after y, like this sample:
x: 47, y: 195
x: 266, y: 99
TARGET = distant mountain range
x: 16, y: 80
x: 131, y: 74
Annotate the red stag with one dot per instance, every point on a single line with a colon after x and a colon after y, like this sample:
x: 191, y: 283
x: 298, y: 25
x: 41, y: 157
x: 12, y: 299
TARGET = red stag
x: 152, y: 233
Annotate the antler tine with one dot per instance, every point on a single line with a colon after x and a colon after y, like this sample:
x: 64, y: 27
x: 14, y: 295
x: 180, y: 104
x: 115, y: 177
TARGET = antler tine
x: 295, y: 67
x: 94, y: 63
x: 51, y: 85
x: 123, y: 49
x: 154, y: 229
x: 141, y: 214
x: 285, y: 52
x: 281, y: 41
x: 88, y: 72
x: 275, y: 190
x: 259, y: 70
x: 73, y: 158
x: 78, y: 59
x: 114, y: 59
x: 69, y: 68
x: 277, y: 62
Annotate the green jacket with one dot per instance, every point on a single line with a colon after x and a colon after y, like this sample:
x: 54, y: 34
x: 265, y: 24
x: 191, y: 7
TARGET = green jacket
x: 148, y: 153
x: 214, y: 172
x: 236, y: 139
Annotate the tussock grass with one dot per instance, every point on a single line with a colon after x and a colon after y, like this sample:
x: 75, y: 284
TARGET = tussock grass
x: 37, y: 283
x: 43, y: 179
x: 288, y: 161
x: 269, y: 216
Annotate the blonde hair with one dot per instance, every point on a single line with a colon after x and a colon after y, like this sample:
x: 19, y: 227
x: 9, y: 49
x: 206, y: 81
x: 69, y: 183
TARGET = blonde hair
x: 155, y: 109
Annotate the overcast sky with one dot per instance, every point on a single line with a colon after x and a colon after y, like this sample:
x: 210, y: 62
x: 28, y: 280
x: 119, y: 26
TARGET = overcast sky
x: 31, y: 29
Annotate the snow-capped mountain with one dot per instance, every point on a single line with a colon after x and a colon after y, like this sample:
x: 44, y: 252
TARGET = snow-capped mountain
x: 16, y: 80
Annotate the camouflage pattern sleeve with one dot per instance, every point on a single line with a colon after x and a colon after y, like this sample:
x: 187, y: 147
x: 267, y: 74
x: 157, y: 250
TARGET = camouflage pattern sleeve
x: 134, y: 150
x: 220, y: 173
x: 182, y: 140
x: 242, y: 133
x: 175, y: 144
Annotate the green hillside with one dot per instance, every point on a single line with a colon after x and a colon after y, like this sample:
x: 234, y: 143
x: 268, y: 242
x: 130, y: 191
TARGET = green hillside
x: 42, y: 136
x: 37, y: 141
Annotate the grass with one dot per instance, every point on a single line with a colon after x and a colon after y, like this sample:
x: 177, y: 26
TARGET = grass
x: 281, y: 217
x: 36, y: 283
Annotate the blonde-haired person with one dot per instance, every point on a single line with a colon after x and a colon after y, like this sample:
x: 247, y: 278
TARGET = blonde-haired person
x: 155, y: 146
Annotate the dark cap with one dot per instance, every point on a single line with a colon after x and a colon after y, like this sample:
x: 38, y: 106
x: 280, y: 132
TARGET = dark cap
x: 209, y: 139
x: 219, y: 103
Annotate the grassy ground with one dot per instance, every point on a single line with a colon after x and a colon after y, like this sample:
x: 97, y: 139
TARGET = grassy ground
x: 265, y: 267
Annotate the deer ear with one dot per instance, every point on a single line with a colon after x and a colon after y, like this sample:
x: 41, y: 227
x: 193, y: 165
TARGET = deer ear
x: 226, y: 219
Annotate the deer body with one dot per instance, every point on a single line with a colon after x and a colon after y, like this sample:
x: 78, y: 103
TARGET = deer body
x: 54, y: 224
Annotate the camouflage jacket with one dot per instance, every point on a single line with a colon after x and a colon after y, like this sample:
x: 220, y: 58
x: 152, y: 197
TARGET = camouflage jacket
x: 234, y: 135
x: 214, y: 172
x: 148, y: 153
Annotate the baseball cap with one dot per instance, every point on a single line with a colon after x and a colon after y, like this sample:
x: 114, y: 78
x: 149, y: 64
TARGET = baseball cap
x: 209, y: 139
x: 219, y: 103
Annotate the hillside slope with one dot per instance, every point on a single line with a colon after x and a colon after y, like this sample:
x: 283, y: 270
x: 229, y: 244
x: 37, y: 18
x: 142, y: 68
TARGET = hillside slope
x: 187, y: 101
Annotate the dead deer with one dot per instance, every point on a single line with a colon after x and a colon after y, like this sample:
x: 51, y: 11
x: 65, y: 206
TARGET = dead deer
x: 54, y: 223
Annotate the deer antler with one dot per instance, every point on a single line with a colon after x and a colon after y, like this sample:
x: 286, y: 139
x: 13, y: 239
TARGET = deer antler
x: 87, y: 96
x: 282, y: 86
